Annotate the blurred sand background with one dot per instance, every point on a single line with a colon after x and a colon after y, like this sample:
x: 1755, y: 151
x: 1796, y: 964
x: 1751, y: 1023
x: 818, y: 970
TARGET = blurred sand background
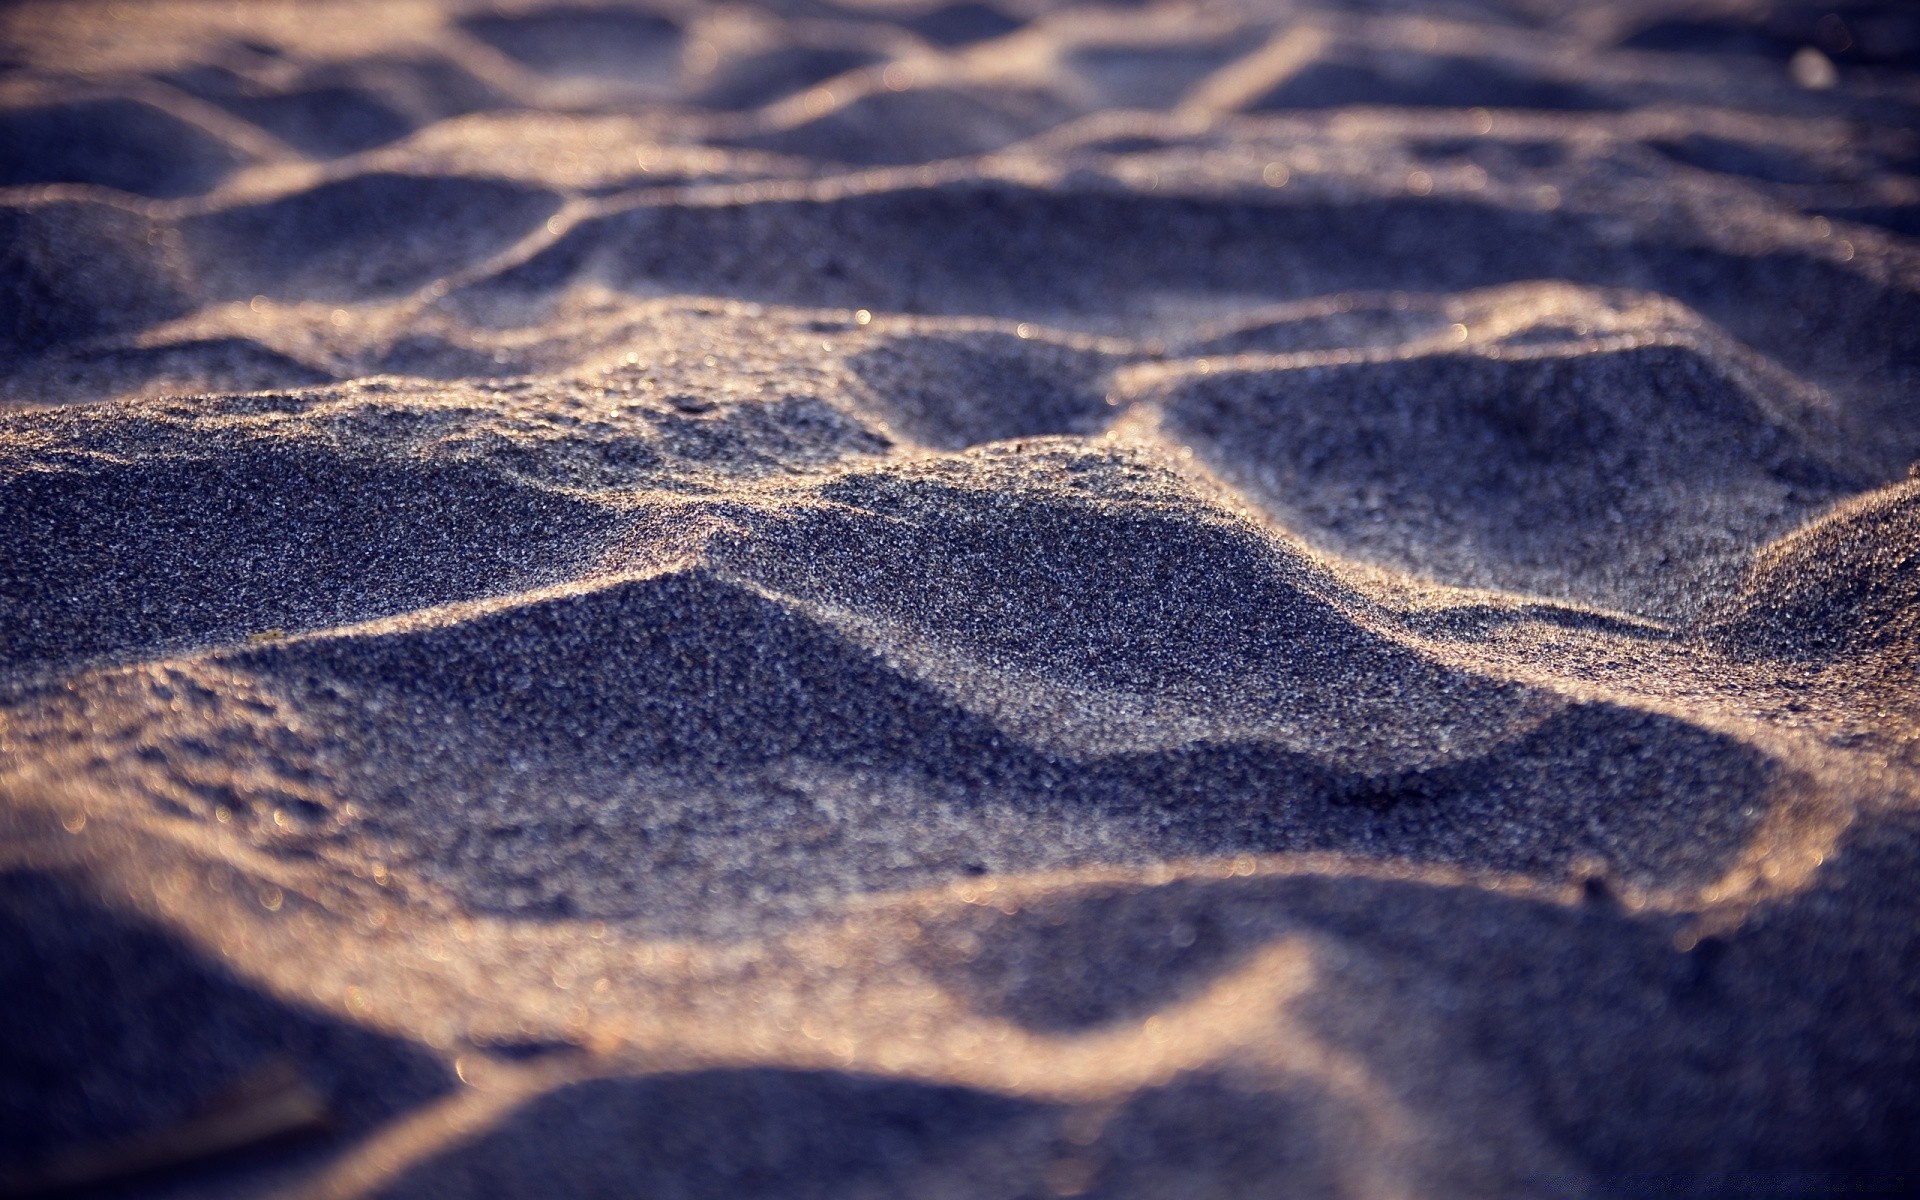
x: 989, y: 599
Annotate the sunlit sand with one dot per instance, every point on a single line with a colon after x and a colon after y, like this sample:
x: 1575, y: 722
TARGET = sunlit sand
x: 981, y: 600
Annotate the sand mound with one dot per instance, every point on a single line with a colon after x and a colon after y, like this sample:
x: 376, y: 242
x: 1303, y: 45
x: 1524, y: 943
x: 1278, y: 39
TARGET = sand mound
x: 57, y: 293
x: 1847, y: 584
x: 886, y: 127
x: 115, y: 143
x: 754, y: 78
x: 1145, y: 75
x: 1103, y: 670
x: 1583, y: 980
x: 635, y: 50
x: 219, y: 543
x: 334, y: 109
x: 344, y: 240
x: 188, y: 366
x: 753, y: 1132
x: 1412, y: 80
x: 949, y: 393
x: 1546, y: 471
x: 1110, y: 257
x: 182, y: 1031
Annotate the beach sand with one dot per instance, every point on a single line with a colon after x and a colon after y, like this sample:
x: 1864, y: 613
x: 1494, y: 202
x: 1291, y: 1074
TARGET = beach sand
x: 987, y: 600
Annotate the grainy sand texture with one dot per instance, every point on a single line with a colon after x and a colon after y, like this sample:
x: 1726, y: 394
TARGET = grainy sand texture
x: 971, y: 601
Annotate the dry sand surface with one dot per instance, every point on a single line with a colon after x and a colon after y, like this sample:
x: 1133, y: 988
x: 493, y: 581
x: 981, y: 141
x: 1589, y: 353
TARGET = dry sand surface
x: 986, y: 600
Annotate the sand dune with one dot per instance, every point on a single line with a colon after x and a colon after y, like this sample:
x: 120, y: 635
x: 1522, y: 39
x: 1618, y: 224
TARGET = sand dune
x: 959, y: 600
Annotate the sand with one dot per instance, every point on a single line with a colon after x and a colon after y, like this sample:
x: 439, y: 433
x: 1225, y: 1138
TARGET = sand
x: 987, y: 600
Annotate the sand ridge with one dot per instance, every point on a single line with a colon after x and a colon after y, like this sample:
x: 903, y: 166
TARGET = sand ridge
x: 972, y: 599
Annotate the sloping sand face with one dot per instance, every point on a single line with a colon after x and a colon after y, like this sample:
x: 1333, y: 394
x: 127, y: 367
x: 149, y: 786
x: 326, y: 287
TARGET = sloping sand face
x: 968, y: 600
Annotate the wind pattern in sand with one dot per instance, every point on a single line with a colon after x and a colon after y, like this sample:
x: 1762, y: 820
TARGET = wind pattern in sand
x: 988, y: 600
